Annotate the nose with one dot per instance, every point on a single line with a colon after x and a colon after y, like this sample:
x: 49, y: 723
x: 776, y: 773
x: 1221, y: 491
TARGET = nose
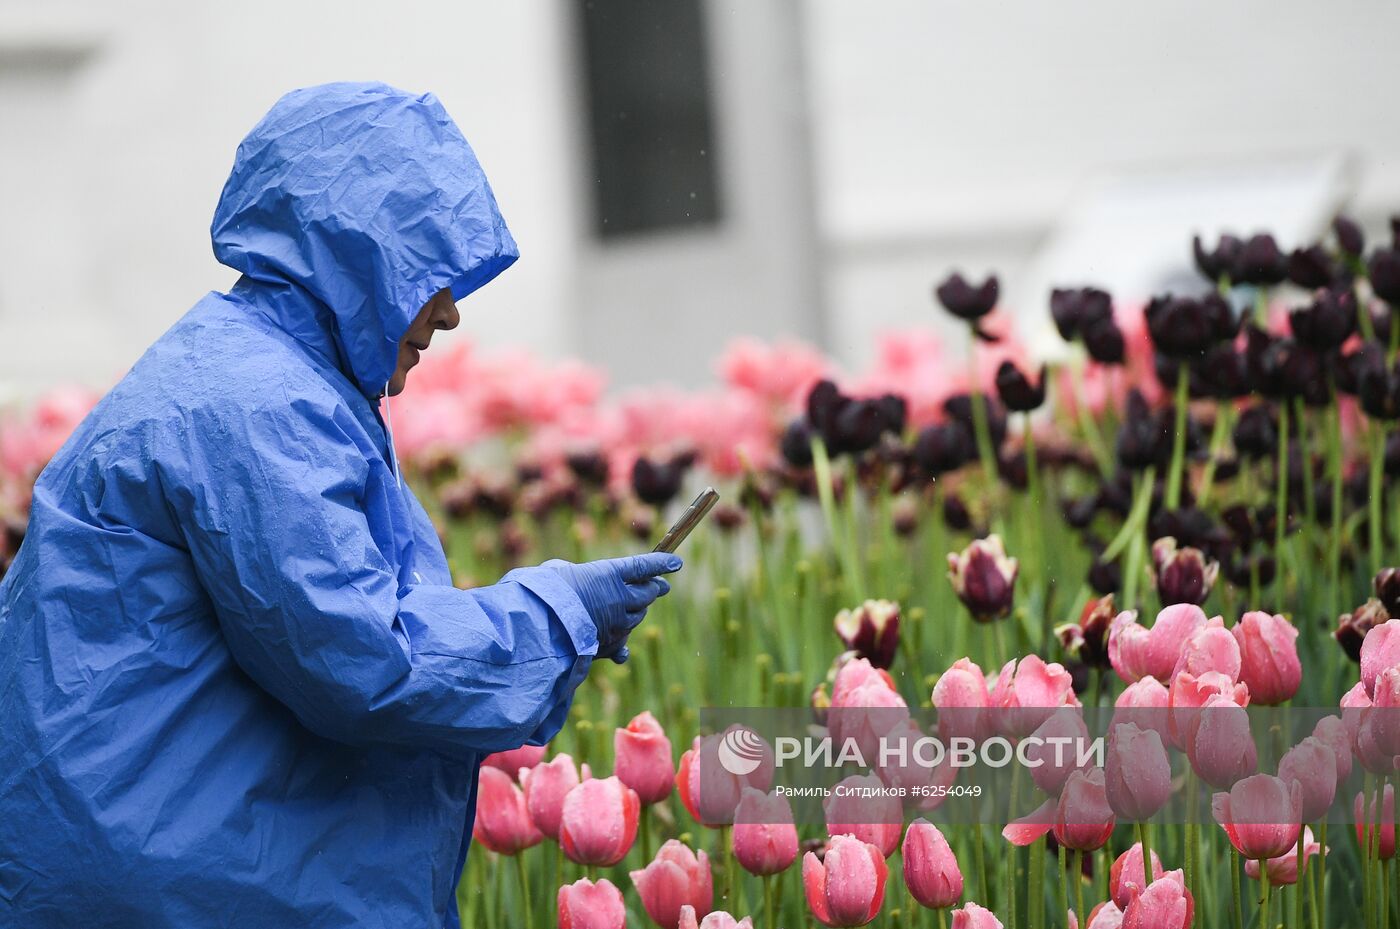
x: 449, y: 318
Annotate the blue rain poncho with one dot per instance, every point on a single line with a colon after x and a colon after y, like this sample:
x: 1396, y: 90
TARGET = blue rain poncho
x: 237, y: 686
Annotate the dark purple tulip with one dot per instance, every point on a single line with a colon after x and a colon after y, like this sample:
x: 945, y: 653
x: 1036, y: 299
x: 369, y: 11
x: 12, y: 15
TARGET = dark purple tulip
x: 1080, y: 511
x: 1350, y: 238
x: 590, y: 468
x: 1016, y: 390
x: 943, y: 448
x: 824, y: 404
x: 1141, y: 438
x: 965, y: 301
x: 1243, y: 571
x: 796, y: 443
x: 1182, y: 575
x: 895, y: 412
x: 1105, y: 577
x: 1103, y: 339
x: 871, y: 630
x: 984, y: 578
x: 1087, y: 640
x: 1352, y: 627
x: 859, y: 426
x: 1384, y: 271
x: 1327, y: 322
x: 1256, y: 434
x: 1379, y: 390
x: 658, y: 482
x: 1220, y: 262
x: 1074, y: 310
x: 1311, y: 267
x: 955, y: 513
x: 1352, y: 364
x: 1289, y: 369
x: 959, y: 407
x: 1260, y: 262
x: 1184, y: 327
x: 1222, y: 373
x: 1386, y: 584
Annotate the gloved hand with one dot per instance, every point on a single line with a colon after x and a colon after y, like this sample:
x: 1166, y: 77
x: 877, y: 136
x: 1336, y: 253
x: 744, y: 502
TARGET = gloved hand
x: 616, y: 593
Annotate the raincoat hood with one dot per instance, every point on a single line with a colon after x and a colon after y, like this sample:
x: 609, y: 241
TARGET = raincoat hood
x: 348, y: 207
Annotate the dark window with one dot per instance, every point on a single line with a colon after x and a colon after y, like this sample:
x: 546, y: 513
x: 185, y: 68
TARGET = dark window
x: 649, y: 114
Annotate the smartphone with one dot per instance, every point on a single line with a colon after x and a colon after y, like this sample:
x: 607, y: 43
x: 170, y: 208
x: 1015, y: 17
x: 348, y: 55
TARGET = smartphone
x: 688, y: 521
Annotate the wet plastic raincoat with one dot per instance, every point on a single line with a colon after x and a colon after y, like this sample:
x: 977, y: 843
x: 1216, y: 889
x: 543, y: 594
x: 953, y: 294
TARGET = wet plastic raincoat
x: 237, y: 687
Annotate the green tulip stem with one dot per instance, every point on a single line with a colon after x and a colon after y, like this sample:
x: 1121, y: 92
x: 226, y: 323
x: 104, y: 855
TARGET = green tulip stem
x: 1078, y: 876
x: 1175, y: 476
x: 523, y: 878
x: 1063, y: 882
x: 1264, y: 900
x: 1235, y: 864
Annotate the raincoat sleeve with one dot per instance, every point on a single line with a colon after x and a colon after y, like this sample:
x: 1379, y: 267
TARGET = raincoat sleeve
x: 286, y: 528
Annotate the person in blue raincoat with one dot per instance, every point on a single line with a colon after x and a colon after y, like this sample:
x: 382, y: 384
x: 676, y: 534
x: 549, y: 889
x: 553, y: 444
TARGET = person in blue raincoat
x: 237, y: 686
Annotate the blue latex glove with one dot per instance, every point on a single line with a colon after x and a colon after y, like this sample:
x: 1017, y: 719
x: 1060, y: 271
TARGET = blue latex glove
x: 616, y: 593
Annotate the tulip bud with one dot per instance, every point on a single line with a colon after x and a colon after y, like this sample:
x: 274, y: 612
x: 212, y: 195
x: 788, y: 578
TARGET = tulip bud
x: 871, y: 630
x: 1261, y: 815
x: 1103, y: 340
x: 511, y: 762
x: 1087, y: 640
x: 599, y: 822
x: 1311, y: 764
x: 545, y: 786
x: 764, y: 836
x: 1211, y: 647
x: 1260, y: 262
x: 1352, y: 627
x: 1383, y: 270
x: 1083, y: 818
x: 1256, y: 434
x: 1350, y: 239
x: 984, y: 578
x: 1380, y: 823
x: 716, y: 920
x: 1137, y: 772
x: 586, y: 905
x: 972, y: 916
x: 1387, y: 587
x: 502, y: 822
x: 1221, y: 749
x: 875, y: 818
x: 930, y: 868
x: 1380, y: 650
x: 643, y: 759
x: 942, y: 448
x: 675, y: 878
x: 1268, y: 657
x: 846, y: 887
x: 1128, y: 876
x: 1075, y: 310
x: 1137, y: 652
x: 1182, y: 575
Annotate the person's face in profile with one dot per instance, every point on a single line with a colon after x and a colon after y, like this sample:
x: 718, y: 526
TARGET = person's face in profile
x: 438, y: 313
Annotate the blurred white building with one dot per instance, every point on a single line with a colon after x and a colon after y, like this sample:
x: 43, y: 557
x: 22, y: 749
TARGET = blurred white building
x: 681, y: 171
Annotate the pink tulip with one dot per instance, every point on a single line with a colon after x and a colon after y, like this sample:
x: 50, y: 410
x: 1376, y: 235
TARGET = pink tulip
x: 526, y: 756
x: 643, y: 759
x: 1052, y: 762
x: 877, y: 818
x: 1268, y: 657
x: 1144, y: 704
x: 1083, y: 819
x: 1165, y: 904
x: 586, y: 905
x: 502, y: 822
x: 1284, y: 868
x: 546, y: 785
x: 1128, y: 876
x: 856, y: 674
x: 1385, y: 719
x: 1211, y: 647
x: 904, y: 771
x: 1028, y: 692
x: 972, y: 916
x: 599, y: 822
x: 1380, y: 823
x: 1136, y: 651
x: 1222, y: 748
x: 1189, y: 694
x: 765, y: 838
x: 675, y: 878
x: 930, y: 868
x: 715, y: 920
x: 1361, y: 723
x: 708, y: 790
x: 863, y: 714
x: 1106, y: 915
x: 962, y: 698
x: 1311, y: 764
x: 1137, y: 772
x: 1261, y: 815
x: 1379, y: 650
x: 779, y: 373
x: 1332, y: 732
x: 847, y: 886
